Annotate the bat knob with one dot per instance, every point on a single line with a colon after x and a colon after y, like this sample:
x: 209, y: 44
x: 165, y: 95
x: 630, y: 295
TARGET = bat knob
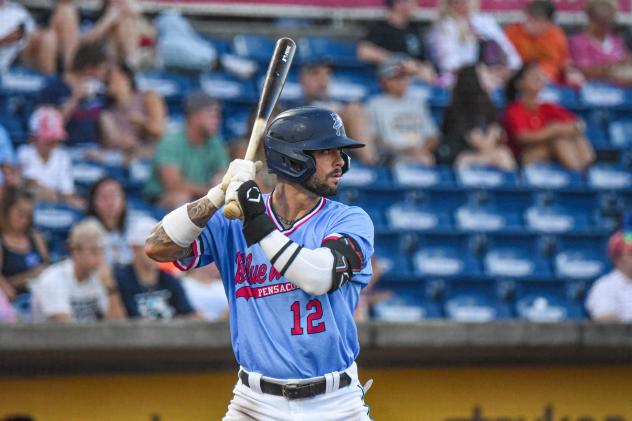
x: 232, y: 210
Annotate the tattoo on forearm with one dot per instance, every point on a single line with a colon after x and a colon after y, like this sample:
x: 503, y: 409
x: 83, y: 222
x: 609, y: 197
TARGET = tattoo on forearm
x: 160, y: 238
x: 201, y: 211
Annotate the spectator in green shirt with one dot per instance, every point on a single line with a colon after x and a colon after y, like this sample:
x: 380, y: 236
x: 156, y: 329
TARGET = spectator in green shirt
x: 190, y: 161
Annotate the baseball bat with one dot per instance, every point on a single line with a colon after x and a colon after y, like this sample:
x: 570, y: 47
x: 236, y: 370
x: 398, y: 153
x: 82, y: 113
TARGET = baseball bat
x: 278, y: 69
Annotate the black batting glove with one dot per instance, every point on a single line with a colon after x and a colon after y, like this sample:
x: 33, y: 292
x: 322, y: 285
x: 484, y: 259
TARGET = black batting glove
x: 256, y: 223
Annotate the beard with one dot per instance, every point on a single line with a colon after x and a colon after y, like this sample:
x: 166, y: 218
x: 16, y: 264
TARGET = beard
x: 320, y: 187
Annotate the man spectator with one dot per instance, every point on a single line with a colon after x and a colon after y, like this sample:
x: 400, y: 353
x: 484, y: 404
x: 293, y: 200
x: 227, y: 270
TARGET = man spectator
x: 80, y: 94
x: 80, y: 288
x: 610, y: 298
x: 539, y: 39
x: 397, y: 34
x: 190, y: 161
x: 315, y: 77
x: 147, y: 291
x: 401, y: 126
x: 44, y: 163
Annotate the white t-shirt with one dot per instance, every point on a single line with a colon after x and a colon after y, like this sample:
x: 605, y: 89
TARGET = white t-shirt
x: 12, y: 15
x: 54, y: 174
x: 209, y: 299
x: 58, y: 291
x: 400, y: 123
x: 611, y: 295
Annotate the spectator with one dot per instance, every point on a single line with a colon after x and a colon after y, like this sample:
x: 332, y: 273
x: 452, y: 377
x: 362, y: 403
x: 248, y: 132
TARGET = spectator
x: 397, y: 34
x: 461, y: 36
x: 539, y: 39
x: 472, y: 134
x: 80, y: 288
x: 597, y: 51
x: 133, y: 121
x: 315, y: 78
x: 79, y: 94
x: 205, y: 291
x: 17, y: 30
x: 543, y: 131
x: 147, y: 291
x: 45, y: 165
x: 129, y: 37
x: 108, y: 205
x: 401, y: 126
x: 23, y: 251
x: 188, y: 162
x: 610, y: 298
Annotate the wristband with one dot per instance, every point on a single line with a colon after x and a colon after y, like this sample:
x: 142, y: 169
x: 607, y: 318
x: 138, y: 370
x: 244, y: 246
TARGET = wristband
x: 179, y: 227
x: 216, y: 196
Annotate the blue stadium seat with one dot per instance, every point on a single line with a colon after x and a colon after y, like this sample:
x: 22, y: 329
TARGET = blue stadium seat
x: 255, y: 47
x: 392, y: 252
x: 292, y: 90
x: 235, y: 120
x: 565, y: 96
x: 172, y: 87
x: 550, y: 176
x: 546, y: 301
x: 468, y: 300
x: 477, y: 218
x: 415, y: 175
x: 406, y: 306
x: 138, y: 172
x: 349, y: 86
x: 555, y: 218
x: 338, y: 53
x: 408, y: 216
x: 445, y: 256
x: 596, y: 94
x: 21, y: 81
x: 485, y: 177
x: 15, y: 128
x: 510, y: 200
x: 86, y: 172
x: 596, y: 121
x: 228, y: 88
x: 360, y: 175
x: 609, y: 177
x: 221, y: 46
x: 580, y: 256
x: 620, y: 131
x: 515, y: 256
x: 54, y: 217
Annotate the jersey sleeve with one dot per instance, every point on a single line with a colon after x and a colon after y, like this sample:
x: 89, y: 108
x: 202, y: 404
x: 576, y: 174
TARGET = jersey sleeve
x: 215, y: 231
x: 355, y: 223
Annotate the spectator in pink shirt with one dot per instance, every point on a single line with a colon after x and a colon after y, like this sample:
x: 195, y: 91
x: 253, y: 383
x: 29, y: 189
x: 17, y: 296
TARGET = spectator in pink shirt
x: 597, y: 51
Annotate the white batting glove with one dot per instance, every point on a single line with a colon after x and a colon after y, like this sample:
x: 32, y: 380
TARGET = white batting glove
x: 239, y: 171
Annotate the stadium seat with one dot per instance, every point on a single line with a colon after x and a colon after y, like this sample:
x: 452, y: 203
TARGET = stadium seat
x: 235, y: 120
x: 405, y: 306
x: 292, y: 90
x: 392, y: 252
x: 21, y: 81
x: 596, y: 121
x: 14, y: 127
x: 415, y: 175
x: 609, y: 177
x: 338, y: 53
x: 555, y: 218
x: 55, y: 217
x: 408, y: 216
x: 485, y: 177
x: 565, y: 96
x: 138, y: 173
x: 360, y: 175
x: 255, y: 47
x: 515, y: 256
x: 620, y: 131
x: 546, y: 301
x: 228, y: 88
x: 580, y: 256
x: 445, y: 256
x: 349, y: 86
x: 550, y: 176
x: 476, y: 218
x: 597, y: 94
x: 473, y: 301
x: 172, y: 87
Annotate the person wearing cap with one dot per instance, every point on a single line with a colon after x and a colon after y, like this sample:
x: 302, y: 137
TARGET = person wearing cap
x: 610, y: 297
x: 397, y: 34
x: 191, y: 160
x: 45, y: 165
x: 148, y: 292
x: 399, y: 124
x: 80, y: 288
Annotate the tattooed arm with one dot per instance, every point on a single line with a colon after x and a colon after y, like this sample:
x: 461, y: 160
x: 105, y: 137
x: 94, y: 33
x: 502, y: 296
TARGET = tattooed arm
x: 159, y: 246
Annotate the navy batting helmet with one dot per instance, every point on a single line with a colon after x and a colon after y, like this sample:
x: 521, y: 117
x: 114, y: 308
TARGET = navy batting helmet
x: 295, y: 132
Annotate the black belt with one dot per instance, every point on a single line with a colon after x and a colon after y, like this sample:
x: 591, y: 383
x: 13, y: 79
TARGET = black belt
x: 295, y: 390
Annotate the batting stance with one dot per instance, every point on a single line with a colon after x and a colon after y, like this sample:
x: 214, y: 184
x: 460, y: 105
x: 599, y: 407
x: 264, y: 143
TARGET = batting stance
x: 292, y: 271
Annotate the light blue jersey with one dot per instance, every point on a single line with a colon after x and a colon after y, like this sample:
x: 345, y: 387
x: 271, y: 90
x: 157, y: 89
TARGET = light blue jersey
x: 277, y: 329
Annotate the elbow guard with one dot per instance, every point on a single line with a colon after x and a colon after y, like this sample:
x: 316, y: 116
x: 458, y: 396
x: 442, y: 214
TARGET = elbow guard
x: 348, y: 259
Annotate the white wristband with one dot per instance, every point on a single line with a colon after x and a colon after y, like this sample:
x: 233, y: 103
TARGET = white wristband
x: 180, y: 228
x: 216, y: 196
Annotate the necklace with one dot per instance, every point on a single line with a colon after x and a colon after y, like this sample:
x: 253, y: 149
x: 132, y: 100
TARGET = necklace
x: 286, y: 222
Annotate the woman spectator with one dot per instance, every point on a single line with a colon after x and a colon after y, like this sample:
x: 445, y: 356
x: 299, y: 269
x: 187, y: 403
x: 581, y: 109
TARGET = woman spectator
x: 133, y: 121
x: 472, y: 134
x: 128, y: 36
x: 462, y: 35
x: 23, y: 252
x: 543, y: 131
x: 597, y: 51
x: 108, y: 205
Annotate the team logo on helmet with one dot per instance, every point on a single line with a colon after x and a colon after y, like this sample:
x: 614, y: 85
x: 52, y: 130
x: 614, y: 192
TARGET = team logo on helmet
x: 337, y: 123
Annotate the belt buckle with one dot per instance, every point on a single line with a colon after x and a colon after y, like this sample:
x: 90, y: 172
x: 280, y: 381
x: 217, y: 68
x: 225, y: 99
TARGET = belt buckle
x: 296, y: 391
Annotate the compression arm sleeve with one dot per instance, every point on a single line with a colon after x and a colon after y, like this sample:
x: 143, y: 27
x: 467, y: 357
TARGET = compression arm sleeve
x: 308, y: 269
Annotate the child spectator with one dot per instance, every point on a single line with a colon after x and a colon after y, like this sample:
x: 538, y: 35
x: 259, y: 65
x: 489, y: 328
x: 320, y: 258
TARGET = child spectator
x: 397, y: 34
x: 205, y: 291
x: 188, y: 162
x: 44, y: 163
x: 23, y: 251
x: 79, y: 94
x: 80, y: 288
x: 543, y: 131
x: 107, y: 204
x: 472, y: 134
x: 461, y: 36
x: 146, y: 291
x: 133, y: 121
x: 610, y: 298
x: 539, y: 39
x: 401, y: 126
x: 597, y: 51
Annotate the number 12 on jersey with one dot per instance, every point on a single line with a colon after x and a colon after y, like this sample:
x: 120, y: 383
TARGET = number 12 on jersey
x: 315, y: 313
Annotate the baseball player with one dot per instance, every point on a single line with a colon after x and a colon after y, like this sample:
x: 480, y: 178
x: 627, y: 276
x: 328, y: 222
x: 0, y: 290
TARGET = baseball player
x: 292, y: 269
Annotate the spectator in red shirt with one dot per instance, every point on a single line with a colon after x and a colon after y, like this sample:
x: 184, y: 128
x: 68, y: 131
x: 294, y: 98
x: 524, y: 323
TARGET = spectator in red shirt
x: 543, y: 131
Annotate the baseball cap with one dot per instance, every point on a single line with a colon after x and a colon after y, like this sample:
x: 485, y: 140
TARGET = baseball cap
x: 393, y: 67
x: 198, y: 100
x: 620, y: 242
x: 139, y: 230
x: 47, y: 124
